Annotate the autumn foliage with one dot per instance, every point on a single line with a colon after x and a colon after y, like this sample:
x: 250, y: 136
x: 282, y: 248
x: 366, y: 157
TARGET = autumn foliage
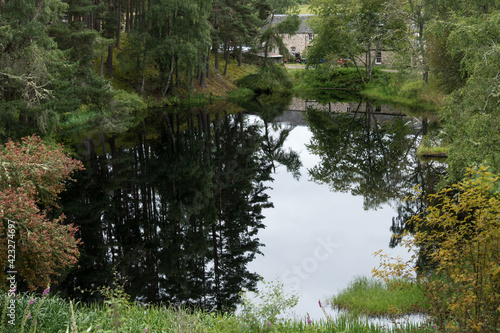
x: 457, y: 242
x: 31, y: 177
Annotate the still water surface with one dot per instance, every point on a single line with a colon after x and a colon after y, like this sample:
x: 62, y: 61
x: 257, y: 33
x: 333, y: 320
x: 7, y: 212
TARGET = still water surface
x: 181, y: 206
x: 317, y: 241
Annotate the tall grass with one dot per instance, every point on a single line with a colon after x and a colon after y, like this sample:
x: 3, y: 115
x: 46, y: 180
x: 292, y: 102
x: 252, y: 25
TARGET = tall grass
x: 57, y: 315
x: 374, y: 298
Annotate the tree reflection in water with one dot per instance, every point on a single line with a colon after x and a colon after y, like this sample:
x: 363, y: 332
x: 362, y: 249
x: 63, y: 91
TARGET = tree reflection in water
x: 374, y: 157
x: 176, y: 215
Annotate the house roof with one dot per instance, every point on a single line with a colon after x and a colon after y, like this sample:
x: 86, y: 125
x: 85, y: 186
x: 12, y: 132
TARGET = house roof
x: 304, y: 28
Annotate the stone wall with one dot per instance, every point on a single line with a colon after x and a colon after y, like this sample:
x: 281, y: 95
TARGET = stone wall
x: 299, y: 104
x: 299, y: 41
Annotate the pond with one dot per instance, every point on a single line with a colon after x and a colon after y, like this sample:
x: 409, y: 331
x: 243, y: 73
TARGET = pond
x: 194, y: 206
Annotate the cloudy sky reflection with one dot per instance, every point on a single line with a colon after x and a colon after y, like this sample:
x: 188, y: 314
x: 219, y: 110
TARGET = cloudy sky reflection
x: 317, y: 241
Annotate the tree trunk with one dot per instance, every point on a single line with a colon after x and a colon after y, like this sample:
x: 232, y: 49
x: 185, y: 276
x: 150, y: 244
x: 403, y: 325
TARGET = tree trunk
x: 103, y: 144
x: 177, y: 79
x: 169, y: 80
x: 216, y: 58
x: 109, y: 61
x: 240, y: 55
x: 127, y: 18
x: 215, y: 44
x: 202, y: 76
x: 150, y: 4
x: 226, y: 56
x: 91, y: 20
x: 97, y: 22
x: 118, y: 26
x: 101, y: 67
x: 357, y: 68
x: 207, y: 71
x: 143, y: 66
x: 137, y: 14
x: 38, y: 11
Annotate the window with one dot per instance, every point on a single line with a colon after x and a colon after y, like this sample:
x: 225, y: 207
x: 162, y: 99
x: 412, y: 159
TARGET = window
x: 378, y: 109
x: 310, y: 37
x: 292, y: 48
x: 378, y: 59
x: 348, y: 109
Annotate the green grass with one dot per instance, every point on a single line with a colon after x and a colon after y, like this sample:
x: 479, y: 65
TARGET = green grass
x: 118, y: 315
x: 304, y: 9
x: 406, y: 91
x: 438, y: 151
x: 374, y: 298
x: 326, y: 76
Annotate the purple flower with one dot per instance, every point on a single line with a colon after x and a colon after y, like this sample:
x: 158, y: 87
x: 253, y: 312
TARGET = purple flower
x: 31, y: 302
x: 269, y: 324
x: 319, y: 302
x: 308, y: 320
x: 36, y: 322
x: 146, y: 330
x: 46, y: 291
x: 29, y: 315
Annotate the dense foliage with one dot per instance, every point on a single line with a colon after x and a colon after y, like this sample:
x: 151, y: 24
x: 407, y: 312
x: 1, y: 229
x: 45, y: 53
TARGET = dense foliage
x: 459, y: 237
x: 32, y: 177
x: 456, y: 251
x: 58, y: 58
x: 451, y: 44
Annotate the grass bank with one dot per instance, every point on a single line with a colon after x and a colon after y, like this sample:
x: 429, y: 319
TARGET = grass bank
x: 375, y: 298
x: 327, y: 76
x: 49, y: 313
x: 401, y: 89
x: 406, y: 90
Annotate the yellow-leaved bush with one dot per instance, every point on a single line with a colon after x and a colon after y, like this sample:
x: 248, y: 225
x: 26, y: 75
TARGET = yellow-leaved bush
x: 457, y: 254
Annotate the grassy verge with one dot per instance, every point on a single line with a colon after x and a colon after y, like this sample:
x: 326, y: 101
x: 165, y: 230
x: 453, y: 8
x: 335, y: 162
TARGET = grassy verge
x: 431, y: 147
x: 374, y: 298
x: 406, y: 91
x: 53, y: 314
x: 327, y: 76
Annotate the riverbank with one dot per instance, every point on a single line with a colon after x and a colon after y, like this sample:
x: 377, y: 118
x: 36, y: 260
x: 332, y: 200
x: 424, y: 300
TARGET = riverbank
x: 52, y: 314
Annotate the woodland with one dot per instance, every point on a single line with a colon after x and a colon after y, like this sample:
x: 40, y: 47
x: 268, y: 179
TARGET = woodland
x: 109, y: 65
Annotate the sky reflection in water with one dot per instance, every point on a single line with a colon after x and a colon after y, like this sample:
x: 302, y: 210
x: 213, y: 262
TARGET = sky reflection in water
x: 317, y: 241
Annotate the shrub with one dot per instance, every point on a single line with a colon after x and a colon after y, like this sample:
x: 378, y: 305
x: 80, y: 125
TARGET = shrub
x: 458, y: 238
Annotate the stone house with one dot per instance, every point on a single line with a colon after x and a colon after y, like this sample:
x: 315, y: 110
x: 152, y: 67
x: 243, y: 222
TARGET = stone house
x: 298, y: 43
